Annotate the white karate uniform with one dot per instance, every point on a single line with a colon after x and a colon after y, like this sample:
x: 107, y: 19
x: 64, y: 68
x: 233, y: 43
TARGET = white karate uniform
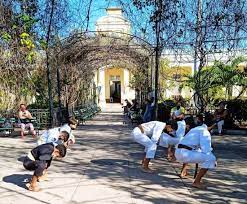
x: 49, y: 136
x: 68, y: 129
x: 150, y: 137
x: 52, y: 135
x: 167, y: 139
x: 199, y: 139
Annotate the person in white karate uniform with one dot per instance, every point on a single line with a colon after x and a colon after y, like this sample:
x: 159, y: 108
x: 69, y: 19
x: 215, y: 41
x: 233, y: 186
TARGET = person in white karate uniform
x: 54, y: 135
x: 57, y: 135
x: 195, y: 147
x: 148, y: 135
x: 171, y: 140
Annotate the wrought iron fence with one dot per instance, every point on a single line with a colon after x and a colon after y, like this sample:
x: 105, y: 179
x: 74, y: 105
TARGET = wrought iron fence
x: 42, y: 115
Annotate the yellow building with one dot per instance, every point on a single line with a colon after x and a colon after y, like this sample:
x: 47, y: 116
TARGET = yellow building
x: 112, y: 81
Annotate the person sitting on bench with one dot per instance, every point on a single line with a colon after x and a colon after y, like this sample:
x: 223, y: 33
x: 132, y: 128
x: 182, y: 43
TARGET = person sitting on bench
x: 220, y: 116
x: 25, y: 120
x: 177, y: 112
x: 39, y: 159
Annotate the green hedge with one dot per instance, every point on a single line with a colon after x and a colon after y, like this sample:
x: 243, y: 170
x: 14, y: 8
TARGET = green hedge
x: 238, y: 109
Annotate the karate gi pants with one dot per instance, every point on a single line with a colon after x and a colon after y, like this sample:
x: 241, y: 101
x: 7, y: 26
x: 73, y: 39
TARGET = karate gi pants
x: 150, y: 146
x: 37, y: 166
x: 205, y: 160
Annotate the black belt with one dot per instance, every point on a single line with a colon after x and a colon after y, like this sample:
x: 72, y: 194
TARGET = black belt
x: 181, y: 146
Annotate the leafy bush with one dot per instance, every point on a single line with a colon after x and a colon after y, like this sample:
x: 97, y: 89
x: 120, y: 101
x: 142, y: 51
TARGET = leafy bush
x: 237, y: 109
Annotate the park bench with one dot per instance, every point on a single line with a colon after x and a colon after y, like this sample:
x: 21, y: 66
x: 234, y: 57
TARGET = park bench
x: 78, y: 116
x: 136, y: 116
x: 91, y: 110
x: 86, y: 113
x: 7, y: 125
x: 97, y: 108
x: 35, y: 123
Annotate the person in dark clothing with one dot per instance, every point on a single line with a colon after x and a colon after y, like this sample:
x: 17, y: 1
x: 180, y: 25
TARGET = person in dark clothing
x: 39, y: 160
x: 135, y: 105
x: 126, y: 105
x: 148, y: 115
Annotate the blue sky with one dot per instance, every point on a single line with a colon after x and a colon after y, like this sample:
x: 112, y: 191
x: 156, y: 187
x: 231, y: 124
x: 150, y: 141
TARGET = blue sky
x: 79, y: 10
x: 139, y: 19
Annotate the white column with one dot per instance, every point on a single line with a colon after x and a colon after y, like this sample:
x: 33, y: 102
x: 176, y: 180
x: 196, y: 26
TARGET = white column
x: 101, y: 85
x: 95, y: 81
x: 125, y: 88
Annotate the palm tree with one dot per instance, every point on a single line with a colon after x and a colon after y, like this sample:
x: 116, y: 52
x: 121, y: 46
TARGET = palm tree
x: 229, y: 75
x: 215, y: 77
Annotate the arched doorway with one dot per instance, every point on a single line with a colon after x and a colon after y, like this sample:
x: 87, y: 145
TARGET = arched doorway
x: 106, y: 61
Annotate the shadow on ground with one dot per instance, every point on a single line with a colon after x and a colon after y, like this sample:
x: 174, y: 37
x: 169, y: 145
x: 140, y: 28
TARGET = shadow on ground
x: 18, y: 179
x: 105, y: 152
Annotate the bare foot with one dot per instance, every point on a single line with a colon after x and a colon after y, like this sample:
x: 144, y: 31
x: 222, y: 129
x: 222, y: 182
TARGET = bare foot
x: 184, y: 174
x: 43, y: 178
x: 171, y: 159
x: 147, y: 170
x: 150, y: 163
x: 142, y: 161
x: 199, y: 185
x: 32, y: 188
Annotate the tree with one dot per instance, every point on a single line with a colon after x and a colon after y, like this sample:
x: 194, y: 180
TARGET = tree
x: 229, y: 75
x: 220, y: 25
x: 164, y: 15
x: 17, y: 51
x: 220, y: 76
x: 23, y: 40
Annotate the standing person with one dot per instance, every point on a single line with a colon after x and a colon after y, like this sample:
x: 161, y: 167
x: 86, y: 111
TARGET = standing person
x: 148, y: 134
x: 220, y: 116
x: 39, y: 160
x: 148, y: 115
x: 177, y: 112
x: 126, y: 106
x: 195, y: 147
x: 135, y: 105
x: 25, y: 120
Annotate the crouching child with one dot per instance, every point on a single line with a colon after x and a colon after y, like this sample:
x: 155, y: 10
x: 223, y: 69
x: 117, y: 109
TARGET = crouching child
x: 39, y: 159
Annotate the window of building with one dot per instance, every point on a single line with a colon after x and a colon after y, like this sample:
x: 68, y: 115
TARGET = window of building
x: 115, y: 78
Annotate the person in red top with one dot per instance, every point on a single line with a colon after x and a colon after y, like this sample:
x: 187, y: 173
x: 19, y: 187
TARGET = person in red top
x: 25, y: 120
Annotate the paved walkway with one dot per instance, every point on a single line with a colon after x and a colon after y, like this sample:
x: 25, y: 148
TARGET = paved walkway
x: 103, y: 167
